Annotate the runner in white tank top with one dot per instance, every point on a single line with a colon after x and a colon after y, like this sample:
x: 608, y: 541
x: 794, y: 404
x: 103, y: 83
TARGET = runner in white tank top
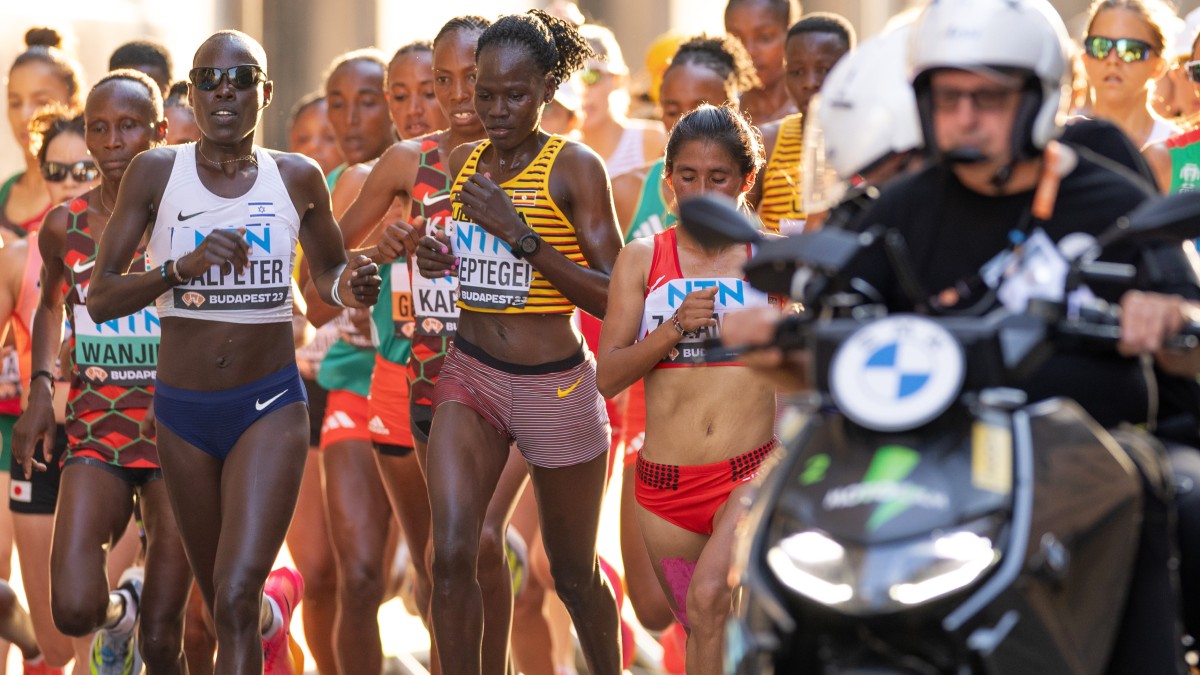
x: 232, y: 424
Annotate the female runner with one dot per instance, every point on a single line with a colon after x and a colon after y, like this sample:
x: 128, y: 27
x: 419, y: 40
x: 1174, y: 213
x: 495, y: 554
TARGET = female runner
x: 701, y: 447
x: 762, y: 25
x: 532, y: 237
x: 69, y: 172
x: 223, y: 218
x: 355, y: 501
x: 40, y: 75
x: 412, y: 98
x: 111, y: 457
x: 704, y: 70
x: 814, y: 44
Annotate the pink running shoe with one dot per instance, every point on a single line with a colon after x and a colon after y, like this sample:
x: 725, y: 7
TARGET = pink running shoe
x: 285, y: 586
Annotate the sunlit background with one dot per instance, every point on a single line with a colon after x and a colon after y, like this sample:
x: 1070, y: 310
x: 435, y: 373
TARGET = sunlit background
x: 302, y: 36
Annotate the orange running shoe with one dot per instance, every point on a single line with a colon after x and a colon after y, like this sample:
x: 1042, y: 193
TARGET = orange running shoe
x: 674, y: 644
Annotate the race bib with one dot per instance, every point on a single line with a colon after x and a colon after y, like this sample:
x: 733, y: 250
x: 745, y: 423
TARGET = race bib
x: 10, y: 374
x: 265, y: 283
x: 489, y: 276
x: 403, y: 319
x: 123, y: 351
x: 661, y: 303
x: 435, y: 301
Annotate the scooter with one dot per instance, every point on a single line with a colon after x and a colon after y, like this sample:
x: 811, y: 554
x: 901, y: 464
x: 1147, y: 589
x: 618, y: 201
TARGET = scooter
x: 925, y: 517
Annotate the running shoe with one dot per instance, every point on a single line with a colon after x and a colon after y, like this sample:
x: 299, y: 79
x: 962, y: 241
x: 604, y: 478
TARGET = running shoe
x: 674, y: 644
x: 114, y: 651
x: 518, y: 558
x: 285, y: 587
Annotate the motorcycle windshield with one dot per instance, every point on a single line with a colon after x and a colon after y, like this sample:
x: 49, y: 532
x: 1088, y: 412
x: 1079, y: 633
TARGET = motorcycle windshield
x: 865, y: 487
x: 820, y: 185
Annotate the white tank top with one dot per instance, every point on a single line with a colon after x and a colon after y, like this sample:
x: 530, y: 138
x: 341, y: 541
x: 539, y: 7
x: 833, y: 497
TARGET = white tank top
x: 188, y: 212
x: 627, y: 156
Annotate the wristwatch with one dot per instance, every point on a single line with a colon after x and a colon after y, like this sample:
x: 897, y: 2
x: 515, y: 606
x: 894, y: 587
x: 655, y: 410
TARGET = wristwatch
x: 527, y: 245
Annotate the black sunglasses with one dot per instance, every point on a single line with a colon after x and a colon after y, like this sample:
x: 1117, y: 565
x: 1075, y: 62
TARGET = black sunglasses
x: 241, y: 77
x: 82, y: 172
x: 1128, y: 49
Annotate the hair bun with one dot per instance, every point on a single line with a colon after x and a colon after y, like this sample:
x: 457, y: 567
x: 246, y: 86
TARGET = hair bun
x: 43, y: 36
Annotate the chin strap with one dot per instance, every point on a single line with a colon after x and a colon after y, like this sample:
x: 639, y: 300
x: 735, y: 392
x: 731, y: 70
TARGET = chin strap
x: 1002, y: 176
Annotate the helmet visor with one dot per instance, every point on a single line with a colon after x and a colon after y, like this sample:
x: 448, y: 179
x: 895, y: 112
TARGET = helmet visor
x: 820, y: 185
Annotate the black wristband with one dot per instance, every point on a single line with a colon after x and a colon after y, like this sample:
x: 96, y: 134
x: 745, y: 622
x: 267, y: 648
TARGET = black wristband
x: 42, y: 373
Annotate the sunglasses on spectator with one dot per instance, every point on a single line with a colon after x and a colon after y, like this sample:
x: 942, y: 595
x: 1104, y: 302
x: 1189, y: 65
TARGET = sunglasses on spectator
x: 1192, y: 69
x: 81, y: 172
x: 592, y: 76
x: 1128, y: 49
x: 241, y: 77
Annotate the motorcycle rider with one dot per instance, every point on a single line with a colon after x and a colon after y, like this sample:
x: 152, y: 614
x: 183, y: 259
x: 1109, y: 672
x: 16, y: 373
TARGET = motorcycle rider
x: 990, y: 78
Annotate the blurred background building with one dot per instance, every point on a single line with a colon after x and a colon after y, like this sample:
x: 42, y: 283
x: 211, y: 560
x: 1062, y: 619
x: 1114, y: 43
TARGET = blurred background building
x: 302, y: 36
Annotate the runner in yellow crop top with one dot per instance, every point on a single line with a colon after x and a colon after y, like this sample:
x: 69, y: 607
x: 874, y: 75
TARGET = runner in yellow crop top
x: 814, y: 44
x: 522, y: 373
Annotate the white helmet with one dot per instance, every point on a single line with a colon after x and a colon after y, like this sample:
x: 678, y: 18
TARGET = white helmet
x: 1023, y: 36
x: 865, y: 112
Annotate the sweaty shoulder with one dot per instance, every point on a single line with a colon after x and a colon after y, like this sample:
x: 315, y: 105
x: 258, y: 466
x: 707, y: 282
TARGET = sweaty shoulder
x: 300, y: 171
x: 459, y: 155
x: 401, y: 155
x: 580, y: 155
x: 770, y: 131
x: 152, y: 168
x: 635, y: 258
x: 295, y: 166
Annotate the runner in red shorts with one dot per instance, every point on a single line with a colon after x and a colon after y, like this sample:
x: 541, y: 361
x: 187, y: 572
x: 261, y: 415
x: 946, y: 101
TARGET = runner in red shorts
x: 701, y: 445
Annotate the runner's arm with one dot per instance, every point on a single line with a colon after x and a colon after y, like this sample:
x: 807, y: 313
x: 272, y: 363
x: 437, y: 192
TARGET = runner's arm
x: 114, y: 290
x: 622, y: 359
x: 322, y: 240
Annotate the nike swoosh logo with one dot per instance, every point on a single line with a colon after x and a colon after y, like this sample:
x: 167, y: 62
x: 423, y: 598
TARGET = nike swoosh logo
x: 430, y: 200
x: 562, y: 393
x: 182, y: 217
x: 262, y: 405
x: 80, y: 268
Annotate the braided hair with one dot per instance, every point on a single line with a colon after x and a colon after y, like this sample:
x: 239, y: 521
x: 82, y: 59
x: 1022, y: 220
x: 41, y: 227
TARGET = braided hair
x: 469, y: 22
x: 555, y: 45
x: 413, y: 47
x: 724, y: 55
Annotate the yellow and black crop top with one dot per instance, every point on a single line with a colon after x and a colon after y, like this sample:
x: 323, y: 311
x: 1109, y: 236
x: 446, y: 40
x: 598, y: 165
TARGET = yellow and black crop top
x: 490, y: 278
x: 781, y: 182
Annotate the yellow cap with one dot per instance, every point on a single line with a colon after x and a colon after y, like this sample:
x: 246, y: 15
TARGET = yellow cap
x: 658, y: 58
